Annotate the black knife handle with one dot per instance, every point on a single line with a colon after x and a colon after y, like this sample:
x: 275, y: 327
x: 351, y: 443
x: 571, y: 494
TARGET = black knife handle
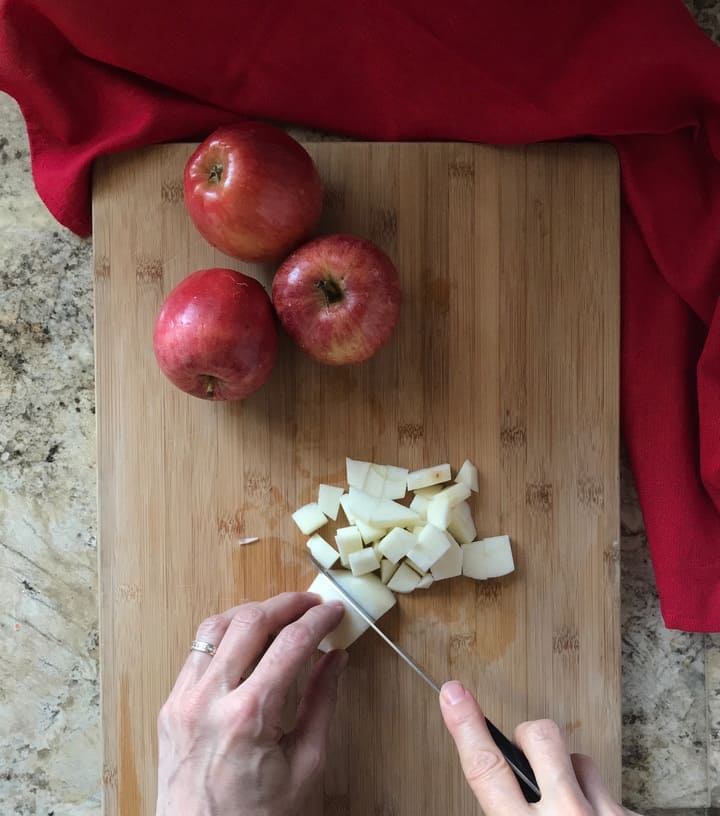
x: 517, y: 760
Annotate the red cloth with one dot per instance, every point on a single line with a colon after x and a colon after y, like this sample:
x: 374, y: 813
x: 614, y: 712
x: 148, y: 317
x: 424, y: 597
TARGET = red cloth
x: 98, y: 77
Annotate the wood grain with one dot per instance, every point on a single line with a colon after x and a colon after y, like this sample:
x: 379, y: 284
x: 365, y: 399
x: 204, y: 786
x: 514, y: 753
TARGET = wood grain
x: 506, y: 353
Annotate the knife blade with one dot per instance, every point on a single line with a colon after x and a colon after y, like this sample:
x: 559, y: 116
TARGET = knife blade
x: 515, y: 758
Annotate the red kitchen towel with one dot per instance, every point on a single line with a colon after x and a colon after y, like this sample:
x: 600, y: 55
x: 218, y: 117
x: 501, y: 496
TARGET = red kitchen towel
x: 95, y: 77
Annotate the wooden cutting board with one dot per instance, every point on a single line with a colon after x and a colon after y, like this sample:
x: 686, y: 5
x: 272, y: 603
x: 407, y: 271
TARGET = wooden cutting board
x: 506, y: 353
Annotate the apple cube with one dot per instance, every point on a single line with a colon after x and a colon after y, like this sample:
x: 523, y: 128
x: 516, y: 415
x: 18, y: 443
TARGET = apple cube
x: 380, y: 512
x: 363, y: 561
x: 387, y: 570
x: 428, y: 492
x: 438, y: 512
x: 348, y: 540
x: 397, y: 474
x: 370, y: 593
x: 432, y: 544
x: 454, y: 494
x: 374, y: 483
x: 345, y: 503
x: 449, y: 565
x: 394, y: 489
x: 404, y: 580
x: 420, y: 571
x: 309, y: 518
x: 322, y: 552
x: 420, y: 505
x: 329, y: 500
x: 468, y: 475
x: 356, y: 472
x: 461, y: 524
x: 428, y: 476
x: 488, y: 558
x: 397, y: 544
x: 426, y: 582
x: 369, y: 533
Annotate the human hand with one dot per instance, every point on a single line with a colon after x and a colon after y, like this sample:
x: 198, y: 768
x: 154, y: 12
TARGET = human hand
x: 221, y: 745
x: 570, y: 785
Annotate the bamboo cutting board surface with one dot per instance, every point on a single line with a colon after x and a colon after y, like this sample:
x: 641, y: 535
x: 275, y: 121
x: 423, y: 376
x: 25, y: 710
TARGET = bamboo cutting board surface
x: 506, y: 353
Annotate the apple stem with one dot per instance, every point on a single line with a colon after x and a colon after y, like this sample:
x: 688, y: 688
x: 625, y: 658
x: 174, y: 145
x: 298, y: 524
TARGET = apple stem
x: 216, y: 172
x: 330, y: 289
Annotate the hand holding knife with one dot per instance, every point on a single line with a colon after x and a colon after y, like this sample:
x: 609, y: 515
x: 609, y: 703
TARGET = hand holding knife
x: 515, y: 758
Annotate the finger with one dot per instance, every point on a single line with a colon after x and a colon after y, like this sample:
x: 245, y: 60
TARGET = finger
x: 247, y: 635
x: 211, y: 630
x: 594, y: 787
x: 309, y: 737
x: 544, y: 746
x: 287, y: 654
x: 488, y: 774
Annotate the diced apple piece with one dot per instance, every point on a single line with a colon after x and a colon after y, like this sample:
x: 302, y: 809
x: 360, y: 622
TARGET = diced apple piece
x: 394, y: 489
x: 374, y: 484
x: 397, y: 544
x: 428, y: 476
x: 432, y: 544
x: 345, y: 503
x: 420, y: 505
x: 387, y: 570
x: 439, y: 512
x: 449, y: 565
x: 348, y: 540
x: 322, y: 552
x: 420, y: 571
x: 309, y: 518
x: 329, y: 500
x: 381, y: 470
x: 404, y: 580
x: 363, y: 561
x: 369, y: 533
x: 397, y: 474
x: 392, y: 514
x: 428, y: 492
x: 416, y: 529
x: 426, y: 582
x: 454, y: 494
x: 468, y: 475
x: 361, y: 505
x: 369, y: 592
x: 461, y: 524
x: 357, y: 472
x: 380, y: 512
x: 488, y: 558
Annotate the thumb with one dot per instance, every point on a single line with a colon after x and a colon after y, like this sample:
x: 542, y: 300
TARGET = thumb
x: 309, y: 737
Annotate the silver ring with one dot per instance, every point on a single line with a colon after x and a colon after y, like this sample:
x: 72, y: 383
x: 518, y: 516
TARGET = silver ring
x: 203, y: 646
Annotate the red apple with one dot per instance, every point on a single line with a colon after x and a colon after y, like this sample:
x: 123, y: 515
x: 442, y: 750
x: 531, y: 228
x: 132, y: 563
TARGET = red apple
x: 252, y: 191
x: 338, y: 297
x: 215, y: 336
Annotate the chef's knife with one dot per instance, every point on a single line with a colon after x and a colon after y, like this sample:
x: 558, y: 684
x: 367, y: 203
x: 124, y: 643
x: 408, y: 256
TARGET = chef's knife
x: 515, y: 758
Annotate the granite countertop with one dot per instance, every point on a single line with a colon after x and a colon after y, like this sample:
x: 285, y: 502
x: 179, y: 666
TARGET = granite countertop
x: 50, y: 753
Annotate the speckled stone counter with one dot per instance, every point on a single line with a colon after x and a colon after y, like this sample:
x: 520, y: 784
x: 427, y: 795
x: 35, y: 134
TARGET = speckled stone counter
x: 50, y: 746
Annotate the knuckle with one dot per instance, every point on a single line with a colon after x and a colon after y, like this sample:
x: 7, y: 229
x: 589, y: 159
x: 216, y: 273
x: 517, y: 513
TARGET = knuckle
x: 248, y: 716
x: 190, y: 712
x: 298, y: 636
x: 482, y: 765
x: 540, y: 731
x: 210, y: 627
x: 249, y: 616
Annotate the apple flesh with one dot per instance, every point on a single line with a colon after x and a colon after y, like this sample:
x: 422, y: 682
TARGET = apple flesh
x: 338, y: 297
x: 252, y: 191
x: 215, y: 336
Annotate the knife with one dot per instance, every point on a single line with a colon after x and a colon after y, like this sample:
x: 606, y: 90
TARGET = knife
x: 514, y: 757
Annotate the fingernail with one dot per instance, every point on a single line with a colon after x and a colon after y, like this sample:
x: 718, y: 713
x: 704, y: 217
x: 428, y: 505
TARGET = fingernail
x: 313, y: 596
x: 453, y: 693
x: 340, y: 659
x: 338, y: 606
